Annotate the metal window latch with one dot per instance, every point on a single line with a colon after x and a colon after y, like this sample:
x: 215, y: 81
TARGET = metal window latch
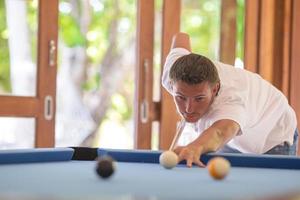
x: 144, y: 111
x: 48, y: 107
x: 52, y: 52
x: 145, y: 104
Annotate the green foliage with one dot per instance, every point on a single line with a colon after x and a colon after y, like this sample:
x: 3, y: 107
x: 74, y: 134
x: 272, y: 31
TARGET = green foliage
x: 70, y: 31
x: 201, y: 20
x: 4, y: 52
x: 32, y: 22
x: 103, y: 15
x: 100, y: 27
x: 240, y: 28
x: 92, y: 83
x: 119, y: 108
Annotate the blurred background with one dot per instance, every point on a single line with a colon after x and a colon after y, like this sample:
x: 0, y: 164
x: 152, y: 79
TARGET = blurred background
x: 95, y: 67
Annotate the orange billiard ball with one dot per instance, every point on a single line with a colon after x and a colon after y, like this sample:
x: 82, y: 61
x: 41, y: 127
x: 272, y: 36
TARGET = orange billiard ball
x: 218, y: 167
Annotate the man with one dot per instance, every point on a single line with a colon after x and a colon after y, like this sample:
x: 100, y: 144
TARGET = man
x: 232, y: 109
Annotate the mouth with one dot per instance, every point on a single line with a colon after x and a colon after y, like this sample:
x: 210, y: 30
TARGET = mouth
x: 190, y: 117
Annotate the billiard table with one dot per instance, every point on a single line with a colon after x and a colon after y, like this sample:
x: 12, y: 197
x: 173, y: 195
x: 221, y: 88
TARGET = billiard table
x: 69, y: 173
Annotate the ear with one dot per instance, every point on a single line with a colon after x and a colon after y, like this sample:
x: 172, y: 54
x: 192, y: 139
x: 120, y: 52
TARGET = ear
x: 216, y: 88
x: 171, y: 85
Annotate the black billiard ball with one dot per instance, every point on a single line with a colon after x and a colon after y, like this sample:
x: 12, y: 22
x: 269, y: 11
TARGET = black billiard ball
x: 105, y: 166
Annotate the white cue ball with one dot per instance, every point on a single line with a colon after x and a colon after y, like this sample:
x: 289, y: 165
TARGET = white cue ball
x: 168, y: 159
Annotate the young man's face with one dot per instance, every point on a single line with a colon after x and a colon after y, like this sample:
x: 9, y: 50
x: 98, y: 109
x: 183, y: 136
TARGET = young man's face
x: 193, y: 101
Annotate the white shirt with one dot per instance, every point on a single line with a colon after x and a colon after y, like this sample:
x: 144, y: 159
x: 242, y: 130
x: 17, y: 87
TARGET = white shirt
x: 261, y: 110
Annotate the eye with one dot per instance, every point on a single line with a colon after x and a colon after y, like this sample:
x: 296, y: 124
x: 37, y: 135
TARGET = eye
x: 181, y: 98
x: 198, y: 99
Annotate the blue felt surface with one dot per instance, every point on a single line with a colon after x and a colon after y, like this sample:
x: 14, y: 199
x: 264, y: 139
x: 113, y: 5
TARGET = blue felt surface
x: 35, y: 177
x: 237, y: 160
x: 35, y: 155
x: 78, y: 180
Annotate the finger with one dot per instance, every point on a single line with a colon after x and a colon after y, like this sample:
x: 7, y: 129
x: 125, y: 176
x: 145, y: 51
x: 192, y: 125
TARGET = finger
x: 199, y: 163
x: 177, y: 150
x: 181, y: 157
x: 185, y: 155
x: 189, y: 162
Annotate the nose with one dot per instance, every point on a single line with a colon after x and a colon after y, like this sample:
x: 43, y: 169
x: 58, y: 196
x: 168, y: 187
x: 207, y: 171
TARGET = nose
x: 189, y: 107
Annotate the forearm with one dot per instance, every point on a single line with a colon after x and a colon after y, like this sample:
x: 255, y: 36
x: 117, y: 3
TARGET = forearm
x: 210, y: 140
x: 181, y: 40
x: 215, y: 137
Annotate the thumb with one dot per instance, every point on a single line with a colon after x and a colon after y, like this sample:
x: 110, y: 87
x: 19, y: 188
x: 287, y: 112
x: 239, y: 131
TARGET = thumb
x: 178, y: 149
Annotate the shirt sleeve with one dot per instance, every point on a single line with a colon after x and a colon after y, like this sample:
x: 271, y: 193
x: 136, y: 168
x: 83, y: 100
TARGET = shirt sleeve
x: 170, y: 60
x: 232, y: 108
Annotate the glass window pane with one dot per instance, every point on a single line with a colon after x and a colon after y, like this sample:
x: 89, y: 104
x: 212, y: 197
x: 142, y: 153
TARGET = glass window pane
x: 201, y: 20
x: 95, y: 80
x: 157, y: 69
x: 239, y: 61
x: 18, y: 47
x: 17, y: 133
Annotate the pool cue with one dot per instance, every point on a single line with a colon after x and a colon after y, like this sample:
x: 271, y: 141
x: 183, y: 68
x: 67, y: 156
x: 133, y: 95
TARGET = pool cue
x: 179, y: 130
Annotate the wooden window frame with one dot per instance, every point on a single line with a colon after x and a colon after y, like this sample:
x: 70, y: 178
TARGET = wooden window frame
x: 295, y: 60
x: 144, y: 105
x: 228, y: 31
x: 168, y: 114
x: 42, y: 106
